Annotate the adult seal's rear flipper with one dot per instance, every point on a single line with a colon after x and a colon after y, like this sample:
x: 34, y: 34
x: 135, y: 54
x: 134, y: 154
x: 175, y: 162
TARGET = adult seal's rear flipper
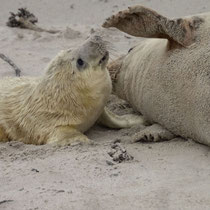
x: 143, y: 22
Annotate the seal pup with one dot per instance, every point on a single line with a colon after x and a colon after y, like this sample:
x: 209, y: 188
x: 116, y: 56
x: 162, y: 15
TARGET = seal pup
x: 60, y: 106
x: 166, y: 78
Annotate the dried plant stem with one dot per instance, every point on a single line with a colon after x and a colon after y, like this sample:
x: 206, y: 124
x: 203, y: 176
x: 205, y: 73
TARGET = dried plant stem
x: 11, y: 63
x: 28, y: 25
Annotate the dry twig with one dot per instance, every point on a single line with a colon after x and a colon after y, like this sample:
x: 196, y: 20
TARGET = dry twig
x: 5, y: 201
x: 11, y: 63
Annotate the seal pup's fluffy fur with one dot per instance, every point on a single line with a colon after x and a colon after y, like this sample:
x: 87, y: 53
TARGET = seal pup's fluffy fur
x: 61, y: 105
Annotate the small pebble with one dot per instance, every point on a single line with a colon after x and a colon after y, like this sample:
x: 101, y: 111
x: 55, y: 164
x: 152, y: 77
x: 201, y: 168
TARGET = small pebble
x: 109, y: 163
x: 35, y: 170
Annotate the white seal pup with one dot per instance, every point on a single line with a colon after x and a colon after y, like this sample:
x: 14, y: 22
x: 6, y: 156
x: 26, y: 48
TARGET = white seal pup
x: 166, y: 78
x: 64, y: 103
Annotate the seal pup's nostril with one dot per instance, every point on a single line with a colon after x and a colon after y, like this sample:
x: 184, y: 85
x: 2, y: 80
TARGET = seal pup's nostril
x: 104, y: 58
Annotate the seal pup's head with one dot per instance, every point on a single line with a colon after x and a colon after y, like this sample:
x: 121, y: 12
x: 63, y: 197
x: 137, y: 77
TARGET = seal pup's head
x: 78, y: 76
x: 92, y: 56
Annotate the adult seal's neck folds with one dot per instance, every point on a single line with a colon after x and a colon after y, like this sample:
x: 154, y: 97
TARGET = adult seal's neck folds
x: 114, y: 70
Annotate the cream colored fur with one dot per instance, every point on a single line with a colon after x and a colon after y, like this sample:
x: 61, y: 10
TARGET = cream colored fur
x: 58, y: 107
x: 170, y: 84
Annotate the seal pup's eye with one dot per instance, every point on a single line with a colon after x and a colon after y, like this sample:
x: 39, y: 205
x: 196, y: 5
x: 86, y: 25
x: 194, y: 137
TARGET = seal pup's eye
x: 80, y: 62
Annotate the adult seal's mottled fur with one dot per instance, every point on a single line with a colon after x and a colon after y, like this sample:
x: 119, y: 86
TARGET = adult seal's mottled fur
x: 166, y: 78
x: 58, y: 107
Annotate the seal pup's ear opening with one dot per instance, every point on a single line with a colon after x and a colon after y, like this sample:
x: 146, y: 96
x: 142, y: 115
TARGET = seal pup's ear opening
x: 143, y: 22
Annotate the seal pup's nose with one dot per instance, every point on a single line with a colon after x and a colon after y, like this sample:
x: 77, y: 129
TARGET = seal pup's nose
x: 105, y: 58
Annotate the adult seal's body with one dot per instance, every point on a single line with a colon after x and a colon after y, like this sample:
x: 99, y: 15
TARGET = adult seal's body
x: 61, y: 105
x: 166, y: 78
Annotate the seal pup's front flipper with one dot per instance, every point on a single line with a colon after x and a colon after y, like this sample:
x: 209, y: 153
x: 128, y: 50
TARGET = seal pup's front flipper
x: 143, y: 22
x: 111, y: 120
x: 67, y: 135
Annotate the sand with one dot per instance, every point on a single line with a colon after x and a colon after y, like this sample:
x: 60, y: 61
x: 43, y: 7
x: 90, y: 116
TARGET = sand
x: 107, y: 175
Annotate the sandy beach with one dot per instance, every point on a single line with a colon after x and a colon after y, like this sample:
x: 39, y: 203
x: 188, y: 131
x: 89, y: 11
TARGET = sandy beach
x: 165, y: 175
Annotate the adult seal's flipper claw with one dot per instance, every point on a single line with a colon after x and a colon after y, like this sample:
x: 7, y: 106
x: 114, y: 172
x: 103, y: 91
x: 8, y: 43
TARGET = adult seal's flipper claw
x: 153, y: 133
x: 143, y: 22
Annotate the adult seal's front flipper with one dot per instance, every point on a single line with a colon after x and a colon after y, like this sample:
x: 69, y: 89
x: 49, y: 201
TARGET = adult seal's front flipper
x: 143, y: 22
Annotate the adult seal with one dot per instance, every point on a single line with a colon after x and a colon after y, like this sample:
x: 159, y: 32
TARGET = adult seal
x: 166, y: 78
